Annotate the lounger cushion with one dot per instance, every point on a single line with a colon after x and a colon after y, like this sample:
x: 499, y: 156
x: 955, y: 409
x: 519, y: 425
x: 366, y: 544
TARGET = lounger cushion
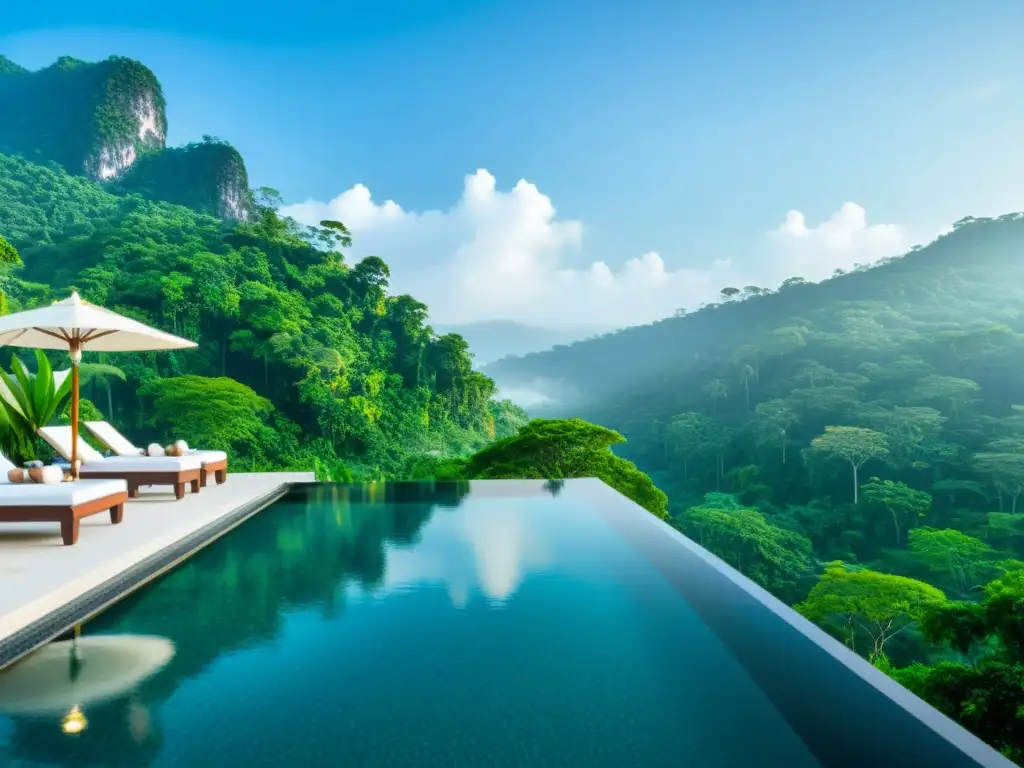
x: 59, y: 439
x: 113, y: 439
x: 142, y: 464
x: 122, y: 446
x: 64, y: 494
x: 208, y: 456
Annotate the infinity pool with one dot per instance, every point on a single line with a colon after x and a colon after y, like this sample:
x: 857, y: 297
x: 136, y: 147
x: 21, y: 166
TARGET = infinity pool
x: 503, y: 624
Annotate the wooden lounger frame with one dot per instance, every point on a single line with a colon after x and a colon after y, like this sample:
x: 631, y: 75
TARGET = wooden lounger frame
x: 67, y: 516
x: 136, y: 479
x: 219, y: 470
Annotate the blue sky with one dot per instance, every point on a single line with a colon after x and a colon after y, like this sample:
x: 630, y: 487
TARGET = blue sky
x: 686, y: 129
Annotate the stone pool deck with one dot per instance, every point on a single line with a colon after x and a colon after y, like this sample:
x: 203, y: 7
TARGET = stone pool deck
x: 39, y: 575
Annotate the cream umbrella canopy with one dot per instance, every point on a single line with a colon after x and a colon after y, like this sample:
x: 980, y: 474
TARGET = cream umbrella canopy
x: 78, y: 326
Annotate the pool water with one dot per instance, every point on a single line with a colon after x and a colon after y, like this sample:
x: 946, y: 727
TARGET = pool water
x: 413, y: 625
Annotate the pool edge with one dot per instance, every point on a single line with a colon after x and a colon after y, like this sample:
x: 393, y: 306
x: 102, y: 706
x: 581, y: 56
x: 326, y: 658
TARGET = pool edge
x: 95, y: 600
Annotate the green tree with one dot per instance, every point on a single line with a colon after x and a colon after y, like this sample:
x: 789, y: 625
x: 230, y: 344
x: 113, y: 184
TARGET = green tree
x: 555, y: 449
x: 879, y: 605
x: 985, y: 696
x: 912, y: 433
x: 772, y: 421
x: 952, y: 391
x: 687, y: 434
x: 212, y: 413
x: 9, y: 256
x: 855, y: 445
x: 718, y: 438
x: 962, y: 561
x: 717, y: 389
x: 903, y: 503
x: 1004, y: 464
x: 773, y: 557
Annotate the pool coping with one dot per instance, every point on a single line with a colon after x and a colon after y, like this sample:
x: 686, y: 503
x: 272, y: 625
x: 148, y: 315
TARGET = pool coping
x: 80, y: 609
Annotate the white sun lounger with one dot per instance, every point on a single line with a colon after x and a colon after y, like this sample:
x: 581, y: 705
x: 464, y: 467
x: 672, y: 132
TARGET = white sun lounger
x: 215, y: 462
x: 137, y: 471
x: 64, y: 503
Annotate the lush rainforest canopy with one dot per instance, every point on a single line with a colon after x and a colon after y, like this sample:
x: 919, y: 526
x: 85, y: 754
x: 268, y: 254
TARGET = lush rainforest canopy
x: 302, y: 357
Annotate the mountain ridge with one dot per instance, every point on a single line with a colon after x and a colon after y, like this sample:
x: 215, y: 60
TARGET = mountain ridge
x: 592, y: 369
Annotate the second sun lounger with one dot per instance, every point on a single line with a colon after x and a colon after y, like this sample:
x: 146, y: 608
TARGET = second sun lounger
x: 214, y: 462
x: 136, y: 472
x: 64, y: 503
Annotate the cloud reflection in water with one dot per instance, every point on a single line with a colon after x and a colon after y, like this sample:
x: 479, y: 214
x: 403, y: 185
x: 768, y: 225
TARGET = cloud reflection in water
x: 486, y: 549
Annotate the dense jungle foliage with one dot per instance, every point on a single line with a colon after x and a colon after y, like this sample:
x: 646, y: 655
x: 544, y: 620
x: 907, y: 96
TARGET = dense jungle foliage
x: 854, y: 446
x: 302, y: 358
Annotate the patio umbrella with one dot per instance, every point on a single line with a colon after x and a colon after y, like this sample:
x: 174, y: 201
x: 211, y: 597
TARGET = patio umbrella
x: 78, y: 326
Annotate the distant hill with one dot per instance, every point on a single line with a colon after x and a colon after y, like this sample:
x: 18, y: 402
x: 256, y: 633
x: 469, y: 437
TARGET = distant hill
x: 107, y: 121
x: 494, y: 340
x: 962, y: 279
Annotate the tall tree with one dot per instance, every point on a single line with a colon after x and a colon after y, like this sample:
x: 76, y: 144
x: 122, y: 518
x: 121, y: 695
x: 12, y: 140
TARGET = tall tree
x: 687, y: 433
x: 772, y: 422
x: 962, y: 561
x: 902, y: 502
x: 880, y: 605
x: 855, y: 445
x: 1003, y: 463
x: 774, y: 557
x: 716, y: 390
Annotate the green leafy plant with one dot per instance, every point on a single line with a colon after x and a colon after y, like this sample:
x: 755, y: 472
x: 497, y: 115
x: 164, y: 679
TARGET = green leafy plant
x: 31, y: 401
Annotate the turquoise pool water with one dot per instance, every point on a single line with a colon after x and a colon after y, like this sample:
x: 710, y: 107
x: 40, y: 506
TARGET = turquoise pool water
x: 415, y: 627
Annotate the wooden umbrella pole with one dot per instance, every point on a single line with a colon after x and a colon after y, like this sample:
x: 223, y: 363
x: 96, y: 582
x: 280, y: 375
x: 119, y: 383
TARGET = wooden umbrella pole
x: 76, y: 357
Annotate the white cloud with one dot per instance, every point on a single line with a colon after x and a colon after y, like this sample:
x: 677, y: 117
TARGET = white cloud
x: 840, y: 242
x: 498, y: 255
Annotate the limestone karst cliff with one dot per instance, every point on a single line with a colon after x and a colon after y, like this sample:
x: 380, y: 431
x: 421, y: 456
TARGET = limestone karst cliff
x: 94, y: 119
x: 207, y: 176
x: 107, y: 121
